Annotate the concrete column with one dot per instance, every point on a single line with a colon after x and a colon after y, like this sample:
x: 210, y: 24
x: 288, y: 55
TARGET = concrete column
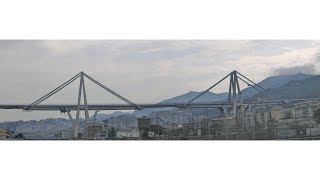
x: 77, y: 121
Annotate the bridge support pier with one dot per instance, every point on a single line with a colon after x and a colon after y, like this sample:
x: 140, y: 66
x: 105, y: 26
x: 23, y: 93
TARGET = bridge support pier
x: 234, y: 90
x: 224, y: 111
x: 70, y: 116
x: 77, y: 121
x: 71, y: 119
x: 95, y: 115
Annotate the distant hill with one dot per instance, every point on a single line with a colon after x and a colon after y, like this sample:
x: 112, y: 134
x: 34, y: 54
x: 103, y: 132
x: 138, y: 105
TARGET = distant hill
x: 101, y: 117
x: 305, y: 88
x: 207, y: 97
x: 274, y: 82
x: 184, y: 98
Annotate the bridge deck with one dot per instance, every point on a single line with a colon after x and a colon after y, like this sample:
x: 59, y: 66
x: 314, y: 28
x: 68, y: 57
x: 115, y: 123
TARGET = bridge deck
x: 69, y: 107
x: 64, y: 107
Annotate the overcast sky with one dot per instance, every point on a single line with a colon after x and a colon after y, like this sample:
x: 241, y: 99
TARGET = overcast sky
x: 142, y: 71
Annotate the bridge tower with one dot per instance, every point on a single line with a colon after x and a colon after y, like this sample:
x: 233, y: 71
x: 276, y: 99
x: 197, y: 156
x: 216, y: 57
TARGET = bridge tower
x: 82, y: 89
x: 80, y: 107
x: 234, y: 91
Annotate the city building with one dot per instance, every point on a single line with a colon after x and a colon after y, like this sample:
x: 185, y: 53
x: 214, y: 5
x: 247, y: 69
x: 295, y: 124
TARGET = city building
x: 132, y: 134
x: 92, y: 130
x: 277, y: 113
x: 305, y: 109
x: 144, y: 125
x: 285, y: 133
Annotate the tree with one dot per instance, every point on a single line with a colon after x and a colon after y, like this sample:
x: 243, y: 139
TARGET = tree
x: 19, y: 136
x: 145, y: 135
x: 112, y: 134
x: 157, y: 129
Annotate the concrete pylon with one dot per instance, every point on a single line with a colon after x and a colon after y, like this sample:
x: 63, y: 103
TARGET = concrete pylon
x: 234, y: 90
x: 77, y: 120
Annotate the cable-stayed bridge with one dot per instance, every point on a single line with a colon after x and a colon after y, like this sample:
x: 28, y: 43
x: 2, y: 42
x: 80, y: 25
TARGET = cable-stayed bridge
x: 233, y: 105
